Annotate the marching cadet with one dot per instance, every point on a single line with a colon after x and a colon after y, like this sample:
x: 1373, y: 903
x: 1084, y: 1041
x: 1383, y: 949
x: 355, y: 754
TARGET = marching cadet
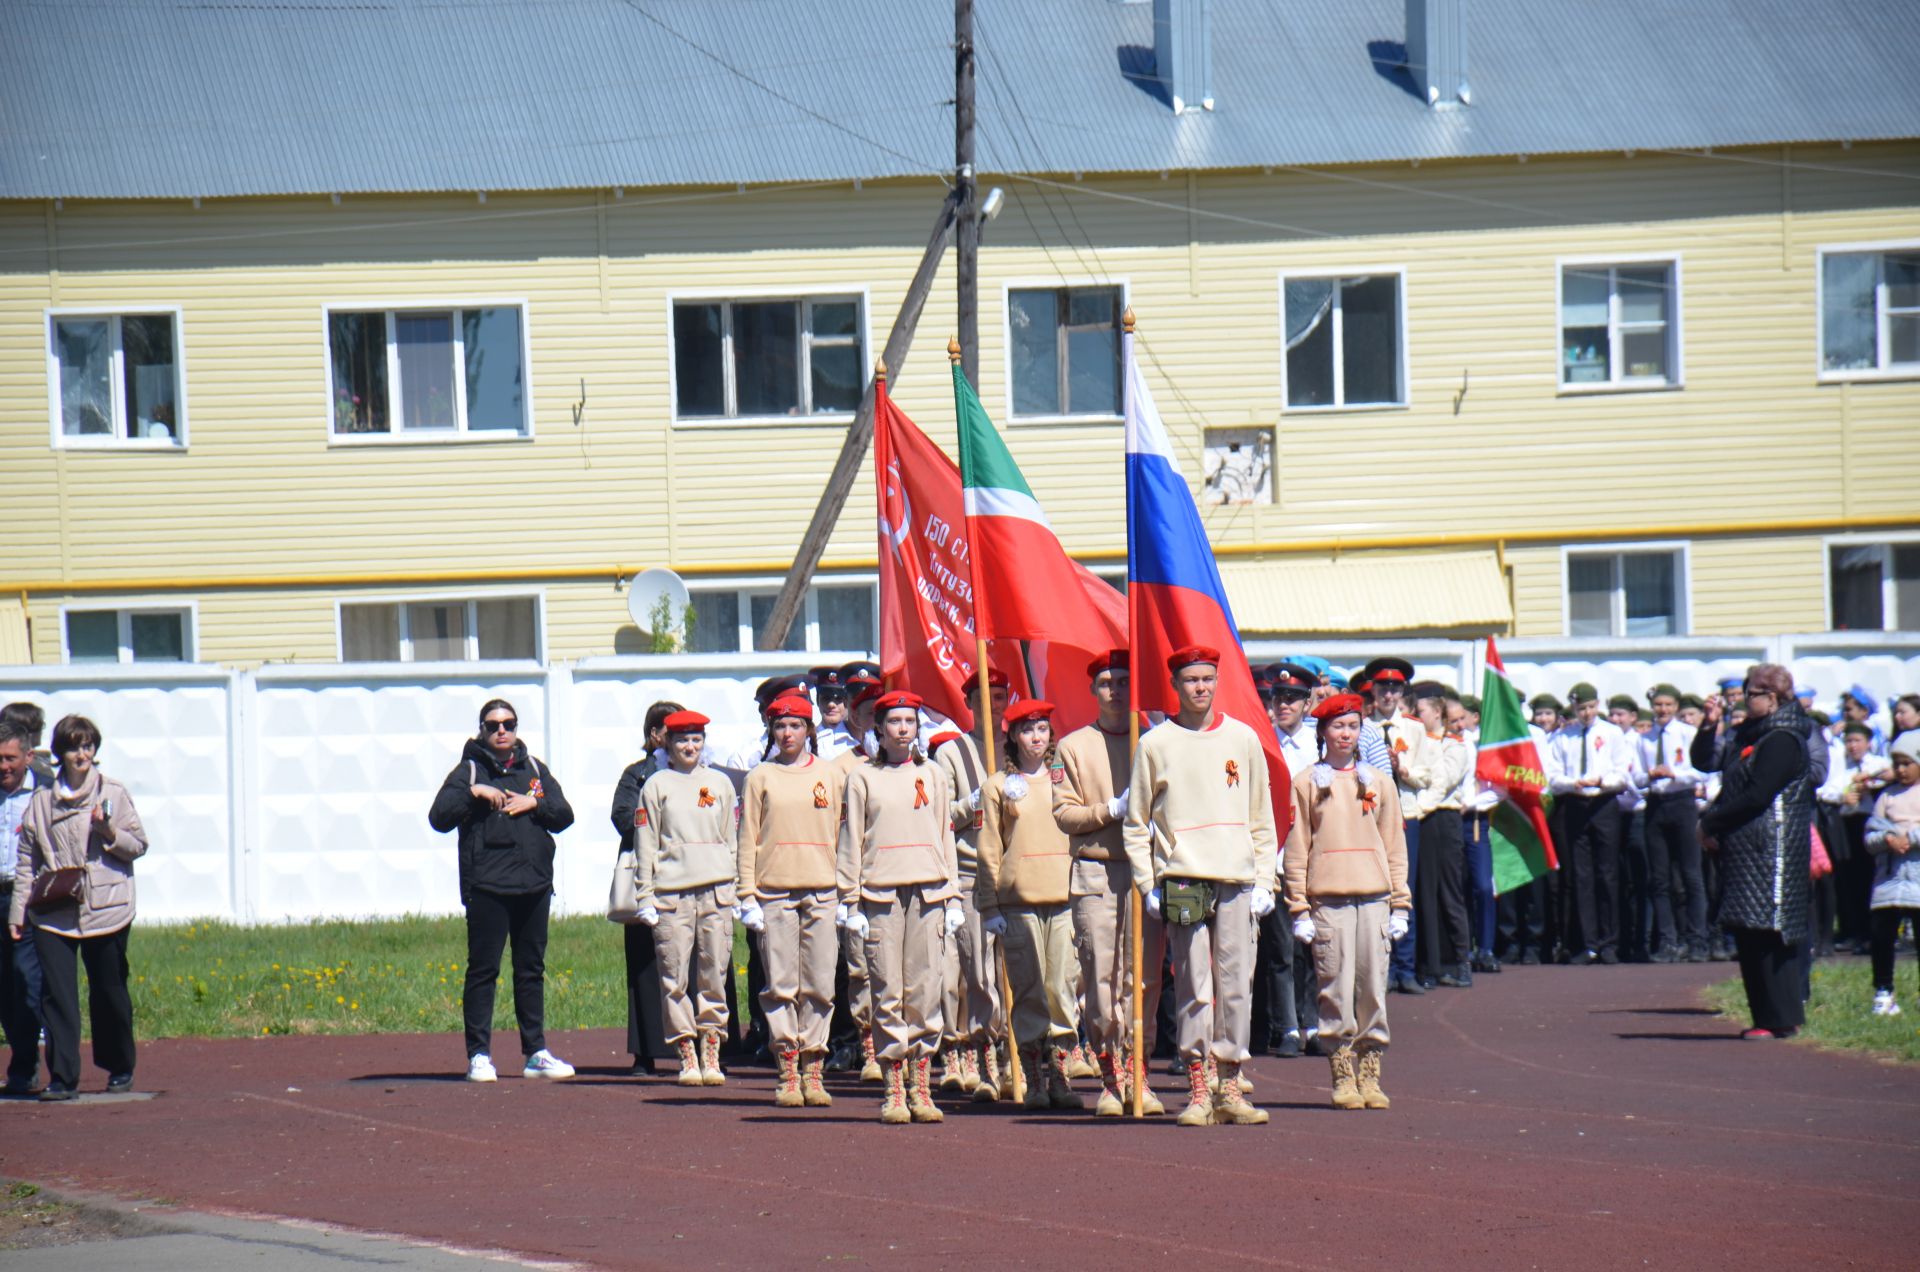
x: 1346, y: 887
x: 1411, y: 756
x: 1288, y: 987
x: 972, y: 1007
x: 898, y: 877
x: 1587, y: 766
x: 1091, y: 807
x: 789, y: 829
x: 1022, y: 897
x: 685, y: 857
x: 1200, y: 840
x: 865, y: 689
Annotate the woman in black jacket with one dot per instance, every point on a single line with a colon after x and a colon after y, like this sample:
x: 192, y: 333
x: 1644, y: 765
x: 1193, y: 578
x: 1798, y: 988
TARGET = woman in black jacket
x: 507, y: 806
x: 1760, y: 826
x: 646, y: 1028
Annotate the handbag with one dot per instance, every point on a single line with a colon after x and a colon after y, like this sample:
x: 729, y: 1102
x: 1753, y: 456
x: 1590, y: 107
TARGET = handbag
x: 64, y: 885
x: 1820, y: 864
x: 623, y: 897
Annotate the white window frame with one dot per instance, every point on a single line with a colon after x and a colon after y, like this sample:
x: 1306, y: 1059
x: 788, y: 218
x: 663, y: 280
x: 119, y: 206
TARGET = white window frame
x: 1339, y: 402
x: 116, y: 440
x: 1056, y: 283
x: 1682, y: 580
x: 126, y: 608
x: 1881, y: 370
x: 744, y: 587
x: 1888, y: 607
x: 1618, y: 381
x: 443, y: 596
x: 459, y: 435
x: 806, y: 297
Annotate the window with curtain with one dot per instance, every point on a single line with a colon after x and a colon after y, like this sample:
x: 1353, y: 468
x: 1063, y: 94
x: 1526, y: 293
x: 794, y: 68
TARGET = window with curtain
x: 835, y: 617
x: 427, y: 372
x: 1870, y: 312
x: 1874, y: 586
x: 1619, y: 325
x: 118, y: 378
x: 441, y: 629
x: 765, y: 359
x: 1342, y: 338
x: 1064, y: 350
x: 1628, y: 594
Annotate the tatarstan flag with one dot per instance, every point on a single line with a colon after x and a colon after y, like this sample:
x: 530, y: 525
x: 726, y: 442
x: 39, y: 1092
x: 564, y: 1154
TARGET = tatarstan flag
x: 1510, y: 763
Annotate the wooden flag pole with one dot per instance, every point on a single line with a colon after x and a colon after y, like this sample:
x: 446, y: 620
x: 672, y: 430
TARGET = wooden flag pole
x: 1137, y: 910
x: 1006, y: 982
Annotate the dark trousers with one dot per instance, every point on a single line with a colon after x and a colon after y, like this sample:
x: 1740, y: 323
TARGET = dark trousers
x: 1593, y: 851
x: 746, y: 1030
x: 1522, y: 916
x: 1275, y: 1009
x: 1673, y: 858
x: 1445, y: 943
x: 1773, y: 973
x: 492, y: 918
x: 1404, y: 948
x: 646, y: 1025
x: 1852, y: 878
x: 1886, y: 936
x: 109, y: 1006
x: 1633, y: 912
x: 20, y: 1005
x: 1482, y: 905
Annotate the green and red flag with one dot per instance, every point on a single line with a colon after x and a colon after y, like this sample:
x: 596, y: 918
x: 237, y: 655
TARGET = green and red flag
x: 1510, y: 763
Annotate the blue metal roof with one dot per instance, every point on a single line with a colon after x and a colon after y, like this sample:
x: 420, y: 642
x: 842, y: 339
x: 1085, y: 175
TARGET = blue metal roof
x: 165, y: 98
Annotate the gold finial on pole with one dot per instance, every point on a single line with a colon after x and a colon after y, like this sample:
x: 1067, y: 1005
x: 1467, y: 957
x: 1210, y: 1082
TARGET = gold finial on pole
x: 879, y: 368
x: 1126, y: 320
x: 953, y: 350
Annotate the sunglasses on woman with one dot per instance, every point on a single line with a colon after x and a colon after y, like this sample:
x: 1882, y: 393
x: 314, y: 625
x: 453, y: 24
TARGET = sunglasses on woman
x: 507, y: 725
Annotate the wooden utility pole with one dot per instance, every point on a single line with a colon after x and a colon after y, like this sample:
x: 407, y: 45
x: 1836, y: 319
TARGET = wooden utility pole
x: 966, y: 237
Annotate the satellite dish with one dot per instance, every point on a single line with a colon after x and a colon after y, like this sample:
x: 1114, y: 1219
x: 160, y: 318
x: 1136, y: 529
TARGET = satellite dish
x: 643, y: 595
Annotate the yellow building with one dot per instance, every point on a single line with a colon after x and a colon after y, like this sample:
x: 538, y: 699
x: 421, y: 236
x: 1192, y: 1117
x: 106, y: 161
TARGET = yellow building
x: 1445, y: 377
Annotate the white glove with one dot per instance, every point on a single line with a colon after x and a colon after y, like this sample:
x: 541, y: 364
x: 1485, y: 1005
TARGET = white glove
x: 1153, y: 901
x: 1303, y: 929
x: 1262, y: 902
x: 1396, y: 925
x: 994, y: 924
x: 649, y: 915
x: 751, y: 915
x: 840, y: 913
x: 857, y: 924
x: 1117, y: 806
x: 956, y: 917
x: 1016, y: 786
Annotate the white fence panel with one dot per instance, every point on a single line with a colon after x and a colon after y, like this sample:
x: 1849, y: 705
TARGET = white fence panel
x: 1693, y: 665
x: 1885, y: 665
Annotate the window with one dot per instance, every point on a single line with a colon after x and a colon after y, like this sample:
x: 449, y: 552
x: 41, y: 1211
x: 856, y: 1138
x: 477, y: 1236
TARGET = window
x: 1064, y: 344
x: 837, y: 617
x: 440, y: 629
x: 116, y: 379
x: 1870, y: 312
x: 1344, y: 342
x: 427, y: 372
x: 756, y: 359
x: 129, y: 635
x: 1626, y: 594
x: 1620, y: 325
x: 1875, y: 586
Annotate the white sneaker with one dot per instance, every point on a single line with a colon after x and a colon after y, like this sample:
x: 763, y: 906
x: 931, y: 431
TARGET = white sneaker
x: 1884, y: 1004
x: 544, y: 1064
x: 480, y: 1069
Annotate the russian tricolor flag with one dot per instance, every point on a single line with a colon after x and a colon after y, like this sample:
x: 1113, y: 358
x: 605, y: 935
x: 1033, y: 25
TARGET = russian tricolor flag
x: 1174, y: 594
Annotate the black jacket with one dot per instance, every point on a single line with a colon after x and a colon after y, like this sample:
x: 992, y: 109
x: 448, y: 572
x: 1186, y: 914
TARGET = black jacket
x: 626, y: 797
x: 1762, y: 817
x: 498, y: 853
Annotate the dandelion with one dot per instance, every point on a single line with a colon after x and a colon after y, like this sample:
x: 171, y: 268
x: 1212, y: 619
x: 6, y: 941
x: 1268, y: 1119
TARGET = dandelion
x: 340, y: 999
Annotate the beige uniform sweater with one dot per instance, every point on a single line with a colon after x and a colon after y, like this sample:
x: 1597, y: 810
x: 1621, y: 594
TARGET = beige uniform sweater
x: 1447, y: 785
x: 958, y: 756
x: 1097, y: 765
x: 1199, y: 807
x: 897, y: 833
x: 687, y: 832
x: 1348, y: 838
x: 1024, y: 856
x: 1407, y: 738
x: 790, y: 826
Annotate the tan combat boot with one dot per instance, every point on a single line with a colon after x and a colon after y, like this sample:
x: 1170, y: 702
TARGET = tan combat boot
x: 1346, y: 1093
x: 988, y: 1089
x: 689, y: 1062
x: 920, y: 1105
x: 813, y: 1089
x: 1199, y: 1110
x: 786, y: 1091
x: 1111, y: 1102
x: 1079, y: 1066
x: 1031, y: 1069
x: 950, y: 1067
x: 710, y: 1074
x: 969, y: 1069
x: 1059, y: 1094
x: 1213, y: 1074
x: 1369, y: 1081
x: 870, y: 1070
x: 1149, y: 1102
x: 1230, y: 1107
x: 893, y: 1109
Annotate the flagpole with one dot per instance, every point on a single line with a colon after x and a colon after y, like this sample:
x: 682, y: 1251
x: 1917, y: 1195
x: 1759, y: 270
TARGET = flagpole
x: 1136, y: 909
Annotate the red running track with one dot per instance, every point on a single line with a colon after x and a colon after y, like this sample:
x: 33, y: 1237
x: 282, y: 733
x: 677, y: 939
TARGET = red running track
x: 1553, y: 1117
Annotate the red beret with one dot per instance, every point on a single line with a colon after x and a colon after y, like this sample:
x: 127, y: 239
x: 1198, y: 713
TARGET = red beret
x: 996, y: 679
x: 1112, y: 660
x: 1193, y: 654
x: 686, y: 722
x: 790, y: 705
x: 1028, y: 709
x: 1338, y: 705
x: 896, y: 699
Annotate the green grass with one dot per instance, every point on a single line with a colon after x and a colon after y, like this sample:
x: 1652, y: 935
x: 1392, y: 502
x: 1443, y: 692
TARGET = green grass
x: 218, y: 980
x: 1837, y: 1017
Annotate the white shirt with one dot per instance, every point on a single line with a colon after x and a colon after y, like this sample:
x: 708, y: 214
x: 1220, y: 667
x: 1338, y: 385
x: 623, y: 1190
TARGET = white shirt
x: 13, y: 810
x: 1841, y: 776
x: 1597, y: 750
x: 1301, y: 748
x: 1671, y: 744
x: 1634, y: 794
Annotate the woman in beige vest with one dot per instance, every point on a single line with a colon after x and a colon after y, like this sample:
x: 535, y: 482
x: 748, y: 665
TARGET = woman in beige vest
x: 789, y: 825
